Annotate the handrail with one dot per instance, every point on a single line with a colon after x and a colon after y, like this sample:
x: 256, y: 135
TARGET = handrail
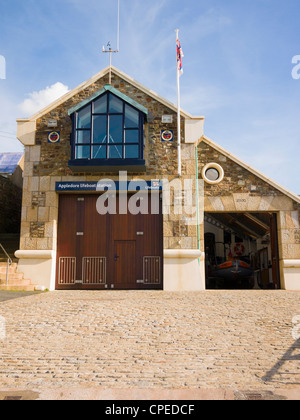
x: 8, y: 257
x: 9, y: 262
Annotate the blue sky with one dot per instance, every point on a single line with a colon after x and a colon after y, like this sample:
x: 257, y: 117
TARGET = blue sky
x: 237, y: 65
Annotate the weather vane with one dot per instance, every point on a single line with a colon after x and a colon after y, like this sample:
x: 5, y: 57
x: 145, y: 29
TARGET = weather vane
x: 110, y: 51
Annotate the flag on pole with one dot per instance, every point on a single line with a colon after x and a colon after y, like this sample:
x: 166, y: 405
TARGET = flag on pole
x: 179, y: 73
x: 179, y: 57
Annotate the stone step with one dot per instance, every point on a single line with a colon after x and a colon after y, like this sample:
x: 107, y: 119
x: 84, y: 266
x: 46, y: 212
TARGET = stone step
x: 4, y: 265
x: 12, y: 276
x: 11, y: 270
x: 16, y: 282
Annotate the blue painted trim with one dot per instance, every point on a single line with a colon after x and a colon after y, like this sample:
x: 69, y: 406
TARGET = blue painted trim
x: 106, y: 162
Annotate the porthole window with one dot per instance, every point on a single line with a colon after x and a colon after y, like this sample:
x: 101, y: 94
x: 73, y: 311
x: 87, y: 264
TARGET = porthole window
x: 213, y: 173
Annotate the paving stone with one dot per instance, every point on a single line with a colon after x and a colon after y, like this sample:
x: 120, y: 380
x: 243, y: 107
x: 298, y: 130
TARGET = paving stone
x: 235, y: 340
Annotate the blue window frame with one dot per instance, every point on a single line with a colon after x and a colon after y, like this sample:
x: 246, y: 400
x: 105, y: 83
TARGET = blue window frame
x: 108, y: 131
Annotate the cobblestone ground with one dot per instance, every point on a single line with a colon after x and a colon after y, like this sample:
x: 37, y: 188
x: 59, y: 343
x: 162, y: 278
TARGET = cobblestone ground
x: 214, y: 339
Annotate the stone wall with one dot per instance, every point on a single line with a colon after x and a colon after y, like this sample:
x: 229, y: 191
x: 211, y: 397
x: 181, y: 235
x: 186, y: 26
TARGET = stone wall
x: 46, y: 164
x: 46, y: 159
x: 242, y: 191
x: 237, y: 179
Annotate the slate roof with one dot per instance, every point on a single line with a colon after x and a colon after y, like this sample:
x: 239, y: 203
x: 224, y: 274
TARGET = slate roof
x: 9, y: 162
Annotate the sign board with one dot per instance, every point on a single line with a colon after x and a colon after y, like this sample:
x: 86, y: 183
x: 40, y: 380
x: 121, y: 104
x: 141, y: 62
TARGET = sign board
x: 106, y: 185
x: 167, y: 119
x: 52, y: 123
x: 54, y: 137
x: 167, y: 136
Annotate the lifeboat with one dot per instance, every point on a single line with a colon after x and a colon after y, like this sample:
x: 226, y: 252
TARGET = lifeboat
x: 233, y: 270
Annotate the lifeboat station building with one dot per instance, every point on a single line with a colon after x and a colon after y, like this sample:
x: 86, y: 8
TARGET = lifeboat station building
x: 106, y: 208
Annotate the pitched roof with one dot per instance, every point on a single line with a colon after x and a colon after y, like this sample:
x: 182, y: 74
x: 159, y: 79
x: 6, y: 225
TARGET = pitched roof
x: 249, y: 168
x: 108, y: 88
x: 9, y: 162
x: 98, y: 76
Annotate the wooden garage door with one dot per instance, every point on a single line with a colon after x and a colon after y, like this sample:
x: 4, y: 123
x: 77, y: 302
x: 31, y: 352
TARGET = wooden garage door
x: 107, y: 251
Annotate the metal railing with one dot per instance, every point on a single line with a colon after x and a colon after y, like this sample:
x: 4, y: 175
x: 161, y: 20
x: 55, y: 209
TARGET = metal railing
x: 9, y: 262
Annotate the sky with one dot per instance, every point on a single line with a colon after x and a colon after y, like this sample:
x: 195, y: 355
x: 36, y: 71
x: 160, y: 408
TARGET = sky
x: 238, y: 69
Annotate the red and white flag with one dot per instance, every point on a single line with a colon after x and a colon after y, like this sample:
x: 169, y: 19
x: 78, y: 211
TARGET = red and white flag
x: 179, y: 57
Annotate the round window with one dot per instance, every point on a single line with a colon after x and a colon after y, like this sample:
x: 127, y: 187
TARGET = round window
x: 213, y: 173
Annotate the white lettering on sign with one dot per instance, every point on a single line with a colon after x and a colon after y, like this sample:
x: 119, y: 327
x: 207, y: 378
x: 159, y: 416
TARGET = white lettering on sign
x: 167, y: 119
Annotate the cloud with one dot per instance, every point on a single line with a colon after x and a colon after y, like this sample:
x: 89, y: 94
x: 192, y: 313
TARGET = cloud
x: 39, y: 100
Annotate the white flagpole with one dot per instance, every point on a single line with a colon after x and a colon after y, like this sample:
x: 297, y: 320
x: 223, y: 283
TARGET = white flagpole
x: 178, y: 112
x: 118, y: 35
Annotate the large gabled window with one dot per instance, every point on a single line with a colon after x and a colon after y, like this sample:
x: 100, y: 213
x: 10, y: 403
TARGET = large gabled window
x: 108, y: 130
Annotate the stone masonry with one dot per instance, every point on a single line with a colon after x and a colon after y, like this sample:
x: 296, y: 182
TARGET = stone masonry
x: 243, y: 191
x: 46, y: 164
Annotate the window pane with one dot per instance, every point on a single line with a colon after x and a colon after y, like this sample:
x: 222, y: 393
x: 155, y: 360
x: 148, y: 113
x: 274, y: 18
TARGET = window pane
x: 131, y: 152
x: 100, y: 106
x: 99, y: 129
x: 131, y: 136
x: 212, y: 174
x: 115, y: 105
x: 99, y: 152
x: 115, y: 152
x: 82, y: 152
x: 116, y: 129
x: 83, y: 137
x: 131, y: 117
x: 84, y: 118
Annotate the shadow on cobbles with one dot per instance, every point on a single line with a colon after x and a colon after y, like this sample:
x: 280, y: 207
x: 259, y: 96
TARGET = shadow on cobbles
x: 6, y: 295
x: 280, y: 372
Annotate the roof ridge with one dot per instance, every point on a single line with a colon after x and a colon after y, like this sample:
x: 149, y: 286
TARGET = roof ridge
x: 100, y: 92
x: 248, y: 167
x: 96, y: 77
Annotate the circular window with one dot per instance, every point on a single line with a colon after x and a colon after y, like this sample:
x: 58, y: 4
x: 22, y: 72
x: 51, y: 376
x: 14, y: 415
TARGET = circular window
x: 213, y: 173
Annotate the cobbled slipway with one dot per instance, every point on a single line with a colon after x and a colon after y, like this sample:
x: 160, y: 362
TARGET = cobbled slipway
x: 145, y: 339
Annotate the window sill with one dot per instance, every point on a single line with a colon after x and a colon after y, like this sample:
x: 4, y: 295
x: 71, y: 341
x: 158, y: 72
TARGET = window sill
x: 107, y: 165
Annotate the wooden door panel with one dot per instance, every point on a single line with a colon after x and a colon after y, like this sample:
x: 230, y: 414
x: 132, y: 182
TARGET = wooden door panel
x: 125, y: 267
x: 66, y: 243
x: 92, y: 241
x: 67, y: 226
x: 95, y: 230
x: 80, y: 232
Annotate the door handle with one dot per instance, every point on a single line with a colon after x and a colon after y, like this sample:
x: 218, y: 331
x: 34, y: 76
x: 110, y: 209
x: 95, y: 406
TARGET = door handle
x: 116, y: 257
